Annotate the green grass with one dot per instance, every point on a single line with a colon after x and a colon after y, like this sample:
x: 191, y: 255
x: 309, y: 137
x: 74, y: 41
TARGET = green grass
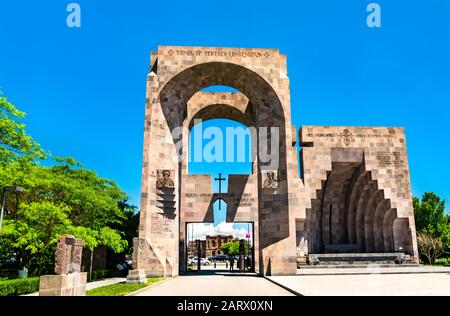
x: 121, y: 289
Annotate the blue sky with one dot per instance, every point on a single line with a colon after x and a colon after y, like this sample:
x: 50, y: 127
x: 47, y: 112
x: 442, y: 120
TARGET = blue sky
x: 84, y: 89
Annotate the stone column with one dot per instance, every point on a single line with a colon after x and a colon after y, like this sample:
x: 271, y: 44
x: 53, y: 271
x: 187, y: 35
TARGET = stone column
x: 68, y: 279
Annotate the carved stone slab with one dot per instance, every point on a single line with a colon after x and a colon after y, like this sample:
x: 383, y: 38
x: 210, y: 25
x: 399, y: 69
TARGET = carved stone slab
x: 68, y: 255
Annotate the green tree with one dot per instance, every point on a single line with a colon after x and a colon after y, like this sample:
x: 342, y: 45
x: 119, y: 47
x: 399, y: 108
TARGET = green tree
x: 14, y: 142
x: 30, y: 237
x: 63, y: 198
x: 429, y: 213
x: 232, y: 248
x: 79, y: 201
x: 430, y: 247
x: 433, y: 226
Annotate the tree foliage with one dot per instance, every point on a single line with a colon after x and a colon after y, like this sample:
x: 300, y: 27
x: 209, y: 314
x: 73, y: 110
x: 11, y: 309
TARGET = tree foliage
x: 63, y: 198
x: 231, y: 248
x: 15, y: 143
x: 433, y: 226
x: 430, y: 247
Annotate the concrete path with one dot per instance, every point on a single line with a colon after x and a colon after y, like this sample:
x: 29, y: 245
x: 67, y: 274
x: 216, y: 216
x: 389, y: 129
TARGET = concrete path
x: 410, y: 284
x: 220, y: 284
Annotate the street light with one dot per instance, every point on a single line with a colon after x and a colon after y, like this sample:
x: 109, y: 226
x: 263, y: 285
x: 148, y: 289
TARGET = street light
x: 12, y: 188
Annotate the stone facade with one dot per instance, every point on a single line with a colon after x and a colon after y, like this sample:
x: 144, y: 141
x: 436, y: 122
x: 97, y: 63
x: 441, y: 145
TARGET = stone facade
x: 357, y: 191
x: 353, y: 193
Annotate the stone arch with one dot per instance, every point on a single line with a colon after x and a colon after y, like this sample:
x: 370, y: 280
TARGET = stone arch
x: 360, y: 183
x: 265, y: 108
x: 223, y: 111
x: 369, y: 240
x: 314, y: 217
x: 371, y: 224
x: 333, y: 208
x: 177, y: 91
x: 380, y: 211
x: 388, y: 229
x: 402, y: 235
x: 370, y: 188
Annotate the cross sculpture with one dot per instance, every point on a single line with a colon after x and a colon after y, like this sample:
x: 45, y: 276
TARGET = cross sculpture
x: 220, y: 179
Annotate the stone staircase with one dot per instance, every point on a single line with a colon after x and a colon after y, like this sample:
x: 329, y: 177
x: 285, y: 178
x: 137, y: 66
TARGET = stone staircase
x: 355, y: 260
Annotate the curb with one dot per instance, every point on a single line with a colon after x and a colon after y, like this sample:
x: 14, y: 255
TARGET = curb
x: 283, y: 286
x: 150, y: 286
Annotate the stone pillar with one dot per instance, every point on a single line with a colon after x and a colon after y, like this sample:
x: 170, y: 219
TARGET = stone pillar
x: 136, y: 276
x: 73, y: 284
x: 69, y: 280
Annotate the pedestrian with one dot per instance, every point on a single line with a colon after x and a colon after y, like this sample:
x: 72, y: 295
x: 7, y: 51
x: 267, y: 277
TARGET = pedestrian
x: 248, y: 263
x: 231, y: 259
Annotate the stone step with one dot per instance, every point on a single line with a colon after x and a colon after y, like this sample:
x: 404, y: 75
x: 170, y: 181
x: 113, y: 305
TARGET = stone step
x: 363, y: 259
x: 352, y: 266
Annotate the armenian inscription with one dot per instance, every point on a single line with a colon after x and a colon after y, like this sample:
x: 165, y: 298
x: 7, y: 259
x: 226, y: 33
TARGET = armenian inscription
x: 390, y: 159
x: 161, y: 224
x: 218, y: 53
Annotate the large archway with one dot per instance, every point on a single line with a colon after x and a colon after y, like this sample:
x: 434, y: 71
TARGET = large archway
x: 170, y: 113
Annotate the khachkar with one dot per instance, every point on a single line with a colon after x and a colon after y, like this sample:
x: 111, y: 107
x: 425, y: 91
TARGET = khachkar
x: 365, y: 207
x: 68, y: 279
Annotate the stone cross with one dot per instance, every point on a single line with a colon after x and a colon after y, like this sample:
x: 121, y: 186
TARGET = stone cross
x: 68, y: 255
x: 220, y: 179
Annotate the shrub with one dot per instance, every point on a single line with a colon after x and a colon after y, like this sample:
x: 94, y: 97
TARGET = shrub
x: 442, y: 261
x: 19, y: 286
x: 429, y: 246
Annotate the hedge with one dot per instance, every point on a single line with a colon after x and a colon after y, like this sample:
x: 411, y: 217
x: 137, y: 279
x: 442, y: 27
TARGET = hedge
x: 19, y: 286
x: 442, y: 261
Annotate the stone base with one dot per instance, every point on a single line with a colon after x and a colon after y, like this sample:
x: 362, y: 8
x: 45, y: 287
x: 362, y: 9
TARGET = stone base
x: 359, y: 258
x: 137, y: 276
x: 73, y: 284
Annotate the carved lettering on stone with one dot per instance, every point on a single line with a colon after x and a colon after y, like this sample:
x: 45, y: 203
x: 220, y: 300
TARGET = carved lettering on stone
x: 138, y: 252
x: 77, y: 252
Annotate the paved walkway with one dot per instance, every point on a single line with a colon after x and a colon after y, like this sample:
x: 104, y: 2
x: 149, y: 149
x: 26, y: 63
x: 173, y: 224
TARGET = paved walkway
x: 405, y: 284
x: 219, y: 284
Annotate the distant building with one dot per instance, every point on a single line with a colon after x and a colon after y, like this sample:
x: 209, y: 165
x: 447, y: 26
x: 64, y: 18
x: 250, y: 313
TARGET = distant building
x: 210, y: 246
x: 214, y: 243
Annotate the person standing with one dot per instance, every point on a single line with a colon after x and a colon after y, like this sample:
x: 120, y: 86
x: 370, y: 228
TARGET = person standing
x: 231, y: 259
x: 248, y: 263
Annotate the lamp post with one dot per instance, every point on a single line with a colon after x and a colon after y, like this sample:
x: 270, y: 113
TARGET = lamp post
x: 12, y: 188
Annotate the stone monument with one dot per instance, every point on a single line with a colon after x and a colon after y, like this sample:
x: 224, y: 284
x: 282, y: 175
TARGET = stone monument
x: 351, y: 193
x: 68, y: 279
x: 137, y: 276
